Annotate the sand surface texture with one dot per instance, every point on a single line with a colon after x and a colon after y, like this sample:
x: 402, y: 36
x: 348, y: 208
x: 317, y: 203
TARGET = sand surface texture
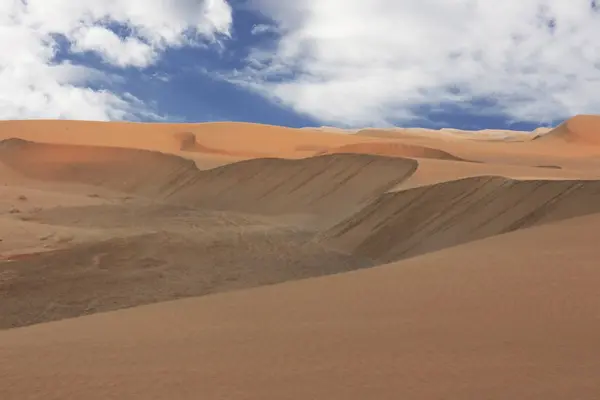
x: 242, y: 261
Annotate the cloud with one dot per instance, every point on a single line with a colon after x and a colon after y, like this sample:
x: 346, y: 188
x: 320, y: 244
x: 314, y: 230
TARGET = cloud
x: 261, y: 29
x: 132, y: 33
x: 356, y: 62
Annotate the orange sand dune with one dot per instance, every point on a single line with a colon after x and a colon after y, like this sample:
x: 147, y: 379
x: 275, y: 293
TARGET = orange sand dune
x: 510, y: 317
x: 429, y: 218
x: 329, y: 186
x: 224, y: 142
x: 395, y: 149
x: 132, y: 171
x: 581, y: 129
x: 228, y: 137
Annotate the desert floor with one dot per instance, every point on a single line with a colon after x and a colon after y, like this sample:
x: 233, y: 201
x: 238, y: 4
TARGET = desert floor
x: 243, y: 261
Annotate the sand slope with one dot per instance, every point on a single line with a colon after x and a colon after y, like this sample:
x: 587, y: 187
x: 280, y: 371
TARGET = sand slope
x: 514, y: 316
x: 428, y: 218
x: 581, y: 129
x: 127, y: 170
x: 329, y: 186
x: 223, y: 253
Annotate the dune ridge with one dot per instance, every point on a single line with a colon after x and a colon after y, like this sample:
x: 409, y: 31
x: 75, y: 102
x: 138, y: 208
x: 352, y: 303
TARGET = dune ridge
x: 329, y: 185
x: 415, y: 221
x: 394, y: 149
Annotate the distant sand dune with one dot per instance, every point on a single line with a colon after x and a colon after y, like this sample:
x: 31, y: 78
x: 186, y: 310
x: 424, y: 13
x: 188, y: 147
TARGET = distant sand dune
x: 227, y: 137
x: 133, y: 171
x: 395, y: 149
x: 581, y: 129
x: 428, y: 218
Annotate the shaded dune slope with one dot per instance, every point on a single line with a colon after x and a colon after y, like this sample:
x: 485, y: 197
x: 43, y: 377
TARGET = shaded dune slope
x: 581, y: 129
x: 415, y: 221
x: 148, y: 268
x: 392, y: 149
x: 329, y: 185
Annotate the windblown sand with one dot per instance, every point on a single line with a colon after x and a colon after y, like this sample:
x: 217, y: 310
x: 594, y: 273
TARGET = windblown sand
x: 241, y: 261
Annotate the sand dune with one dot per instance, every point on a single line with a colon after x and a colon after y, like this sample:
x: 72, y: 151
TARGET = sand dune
x: 514, y: 316
x: 228, y: 137
x: 494, y: 297
x: 329, y: 186
x: 395, y: 149
x: 581, y: 129
x: 411, y: 222
x: 132, y: 171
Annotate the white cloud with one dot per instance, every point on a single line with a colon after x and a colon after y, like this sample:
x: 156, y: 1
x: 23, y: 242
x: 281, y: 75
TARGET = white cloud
x: 34, y: 85
x: 359, y: 62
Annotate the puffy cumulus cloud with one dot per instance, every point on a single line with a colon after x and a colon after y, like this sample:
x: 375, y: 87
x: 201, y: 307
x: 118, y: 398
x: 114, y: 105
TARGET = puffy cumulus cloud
x: 123, y: 33
x: 377, y: 62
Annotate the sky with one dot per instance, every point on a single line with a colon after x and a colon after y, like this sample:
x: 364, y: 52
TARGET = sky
x: 468, y: 64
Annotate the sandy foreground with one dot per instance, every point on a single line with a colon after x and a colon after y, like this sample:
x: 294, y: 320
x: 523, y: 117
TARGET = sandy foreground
x: 241, y: 261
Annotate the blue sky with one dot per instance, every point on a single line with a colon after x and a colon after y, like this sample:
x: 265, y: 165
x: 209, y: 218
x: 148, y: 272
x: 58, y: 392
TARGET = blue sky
x: 347, y: 63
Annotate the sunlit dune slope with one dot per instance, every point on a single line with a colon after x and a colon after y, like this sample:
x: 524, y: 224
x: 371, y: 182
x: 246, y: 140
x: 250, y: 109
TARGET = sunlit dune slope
x: 129, y: 170
x: 252, y: 140
x: 581, y: 129
x: 329, y: 185
x: 428, y: 218
x: 509, y: 317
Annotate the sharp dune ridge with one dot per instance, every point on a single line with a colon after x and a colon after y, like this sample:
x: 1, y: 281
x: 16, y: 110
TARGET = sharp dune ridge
x: 428, y: 218
x: 249, y: 259
x: 153, y: 267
